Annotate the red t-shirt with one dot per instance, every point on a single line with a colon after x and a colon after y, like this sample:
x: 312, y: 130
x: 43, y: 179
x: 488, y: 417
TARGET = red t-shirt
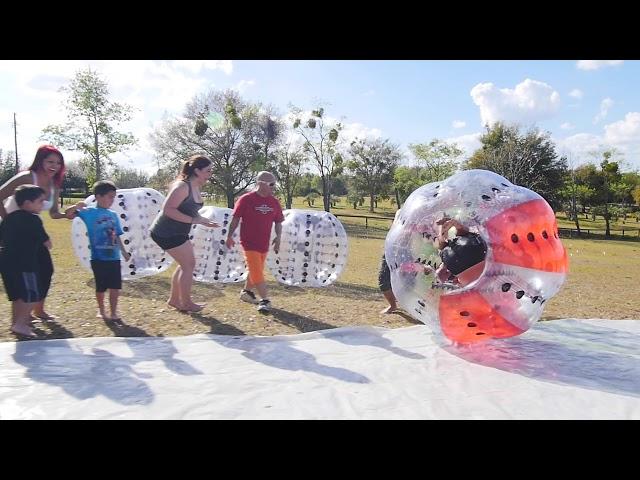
x: 258, y: 214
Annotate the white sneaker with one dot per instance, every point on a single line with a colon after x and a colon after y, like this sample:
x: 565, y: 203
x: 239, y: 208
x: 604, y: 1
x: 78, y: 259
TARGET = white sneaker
x: 248, y: 296
x: 264, y: 306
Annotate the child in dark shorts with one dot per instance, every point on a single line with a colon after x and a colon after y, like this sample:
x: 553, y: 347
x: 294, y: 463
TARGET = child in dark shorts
x: 384, y: 283
x: 21, y: 235
x: 103, y: 227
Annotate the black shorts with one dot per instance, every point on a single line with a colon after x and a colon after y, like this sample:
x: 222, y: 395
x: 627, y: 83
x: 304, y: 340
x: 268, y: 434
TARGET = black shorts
x: 107, y: 274
x: 23, y: 286
x: 169, y: 242
x: 384, y: 276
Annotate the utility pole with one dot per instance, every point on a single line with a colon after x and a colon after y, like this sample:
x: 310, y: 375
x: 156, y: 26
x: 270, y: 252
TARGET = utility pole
x: 15, y: 138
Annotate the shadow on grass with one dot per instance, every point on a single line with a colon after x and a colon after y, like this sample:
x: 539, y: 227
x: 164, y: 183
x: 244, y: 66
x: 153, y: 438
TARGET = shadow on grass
x: 339, y: 289
x: 217, y: 327
x: 121, y: 329
x: 160, y: 287
x: 56, y: 330
x: 299, y: 322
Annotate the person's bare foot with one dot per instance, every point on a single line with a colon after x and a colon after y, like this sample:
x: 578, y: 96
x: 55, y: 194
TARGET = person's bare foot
x: 115, y: 316
x: 23, y: 330
x: 388, y: 310
x: 102, y: 315
x: 44, y: 316
x: 175, y: 305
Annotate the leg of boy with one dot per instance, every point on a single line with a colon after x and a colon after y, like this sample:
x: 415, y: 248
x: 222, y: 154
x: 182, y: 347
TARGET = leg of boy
x: 100, y: 300
x: 391, y: 299
x: 45, y: 273
x: 114, y: 293
x: 384, y: 283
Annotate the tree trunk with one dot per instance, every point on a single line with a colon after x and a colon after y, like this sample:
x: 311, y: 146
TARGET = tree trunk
x: 326, y: 194
x: 230, y: 198
x: 607, y: 232
x: 574, y: 207
x: 371, y: 202
x: 398, y: 199
x: 98, y: 172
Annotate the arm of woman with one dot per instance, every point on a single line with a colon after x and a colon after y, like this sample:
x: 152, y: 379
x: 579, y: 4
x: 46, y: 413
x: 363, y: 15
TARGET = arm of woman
x: 54, y: 212
x: 9, y: 187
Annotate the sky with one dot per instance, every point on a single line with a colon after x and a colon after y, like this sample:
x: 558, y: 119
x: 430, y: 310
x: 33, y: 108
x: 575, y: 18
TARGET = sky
x: 586, y: 105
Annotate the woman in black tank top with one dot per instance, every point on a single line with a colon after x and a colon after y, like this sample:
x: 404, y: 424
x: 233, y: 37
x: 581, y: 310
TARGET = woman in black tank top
x: 170, y: 229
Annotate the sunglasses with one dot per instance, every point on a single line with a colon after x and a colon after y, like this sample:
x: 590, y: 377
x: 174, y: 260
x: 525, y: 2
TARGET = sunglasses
x: 271, y: 184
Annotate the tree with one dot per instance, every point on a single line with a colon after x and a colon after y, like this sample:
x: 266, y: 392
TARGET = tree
x: 575, y: 192
x: 308, y: 183
x: 629, y: 181
x: 311, y: 198
x: 528, y: 159
x: 321, y: 144
x: 91, y: 123
x: 610, y: 175
x: 221, y: 125
x: 130, y: 178
x: 636, y: 195
x: 406, y: 180
x: 162, y: 179
x: 7, y: 166
x: 75, y: 178
x: 373, y: 163
x: 438, y: 158
x: 266, y: 133
x: 289, y: 163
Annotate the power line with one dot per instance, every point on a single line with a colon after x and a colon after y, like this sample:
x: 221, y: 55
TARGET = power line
x: 15, y: 137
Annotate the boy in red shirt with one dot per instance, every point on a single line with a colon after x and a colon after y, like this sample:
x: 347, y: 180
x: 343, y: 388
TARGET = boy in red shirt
x: 258, y: 210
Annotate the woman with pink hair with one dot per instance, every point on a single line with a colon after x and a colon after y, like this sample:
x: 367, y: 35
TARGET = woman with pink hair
x: 47, y: 172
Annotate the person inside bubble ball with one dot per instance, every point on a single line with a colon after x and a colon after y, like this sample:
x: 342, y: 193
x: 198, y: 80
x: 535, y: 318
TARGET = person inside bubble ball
x: 463, y: 255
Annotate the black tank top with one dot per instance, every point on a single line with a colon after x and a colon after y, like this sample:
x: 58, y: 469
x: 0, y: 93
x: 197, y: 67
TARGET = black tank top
x: 164, y: 226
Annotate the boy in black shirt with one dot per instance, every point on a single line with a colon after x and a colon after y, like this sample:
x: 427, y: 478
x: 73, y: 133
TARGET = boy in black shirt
x: 21, y: 233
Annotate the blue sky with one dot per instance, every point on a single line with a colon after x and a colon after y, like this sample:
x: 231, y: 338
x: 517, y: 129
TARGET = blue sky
x: 586, y: 105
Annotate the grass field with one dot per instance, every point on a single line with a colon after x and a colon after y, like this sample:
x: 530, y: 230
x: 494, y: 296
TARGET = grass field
x: 603, y: 282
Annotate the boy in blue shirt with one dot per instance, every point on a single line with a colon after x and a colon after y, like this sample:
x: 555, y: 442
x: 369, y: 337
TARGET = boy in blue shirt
x: 103, y: 227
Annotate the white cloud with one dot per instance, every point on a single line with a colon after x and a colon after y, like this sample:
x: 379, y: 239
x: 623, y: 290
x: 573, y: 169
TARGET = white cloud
x: 196, y: 66
x: 459, y: 124
x: 351, y: 131
x: 567, y: 126
x: 624, y: 132
x: 605, y: 105
x: 623, y: 135
x: 242, y: 85
x: 528, y: 102
x: 369, y: 93
x: 469, y: 143
x: 580, y: 145
x: 576, y: 93
x: 597, y: 64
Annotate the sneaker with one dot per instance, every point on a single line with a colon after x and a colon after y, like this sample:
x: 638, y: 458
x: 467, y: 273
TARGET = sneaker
x: 248, y: 296
x: 264, y: 306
